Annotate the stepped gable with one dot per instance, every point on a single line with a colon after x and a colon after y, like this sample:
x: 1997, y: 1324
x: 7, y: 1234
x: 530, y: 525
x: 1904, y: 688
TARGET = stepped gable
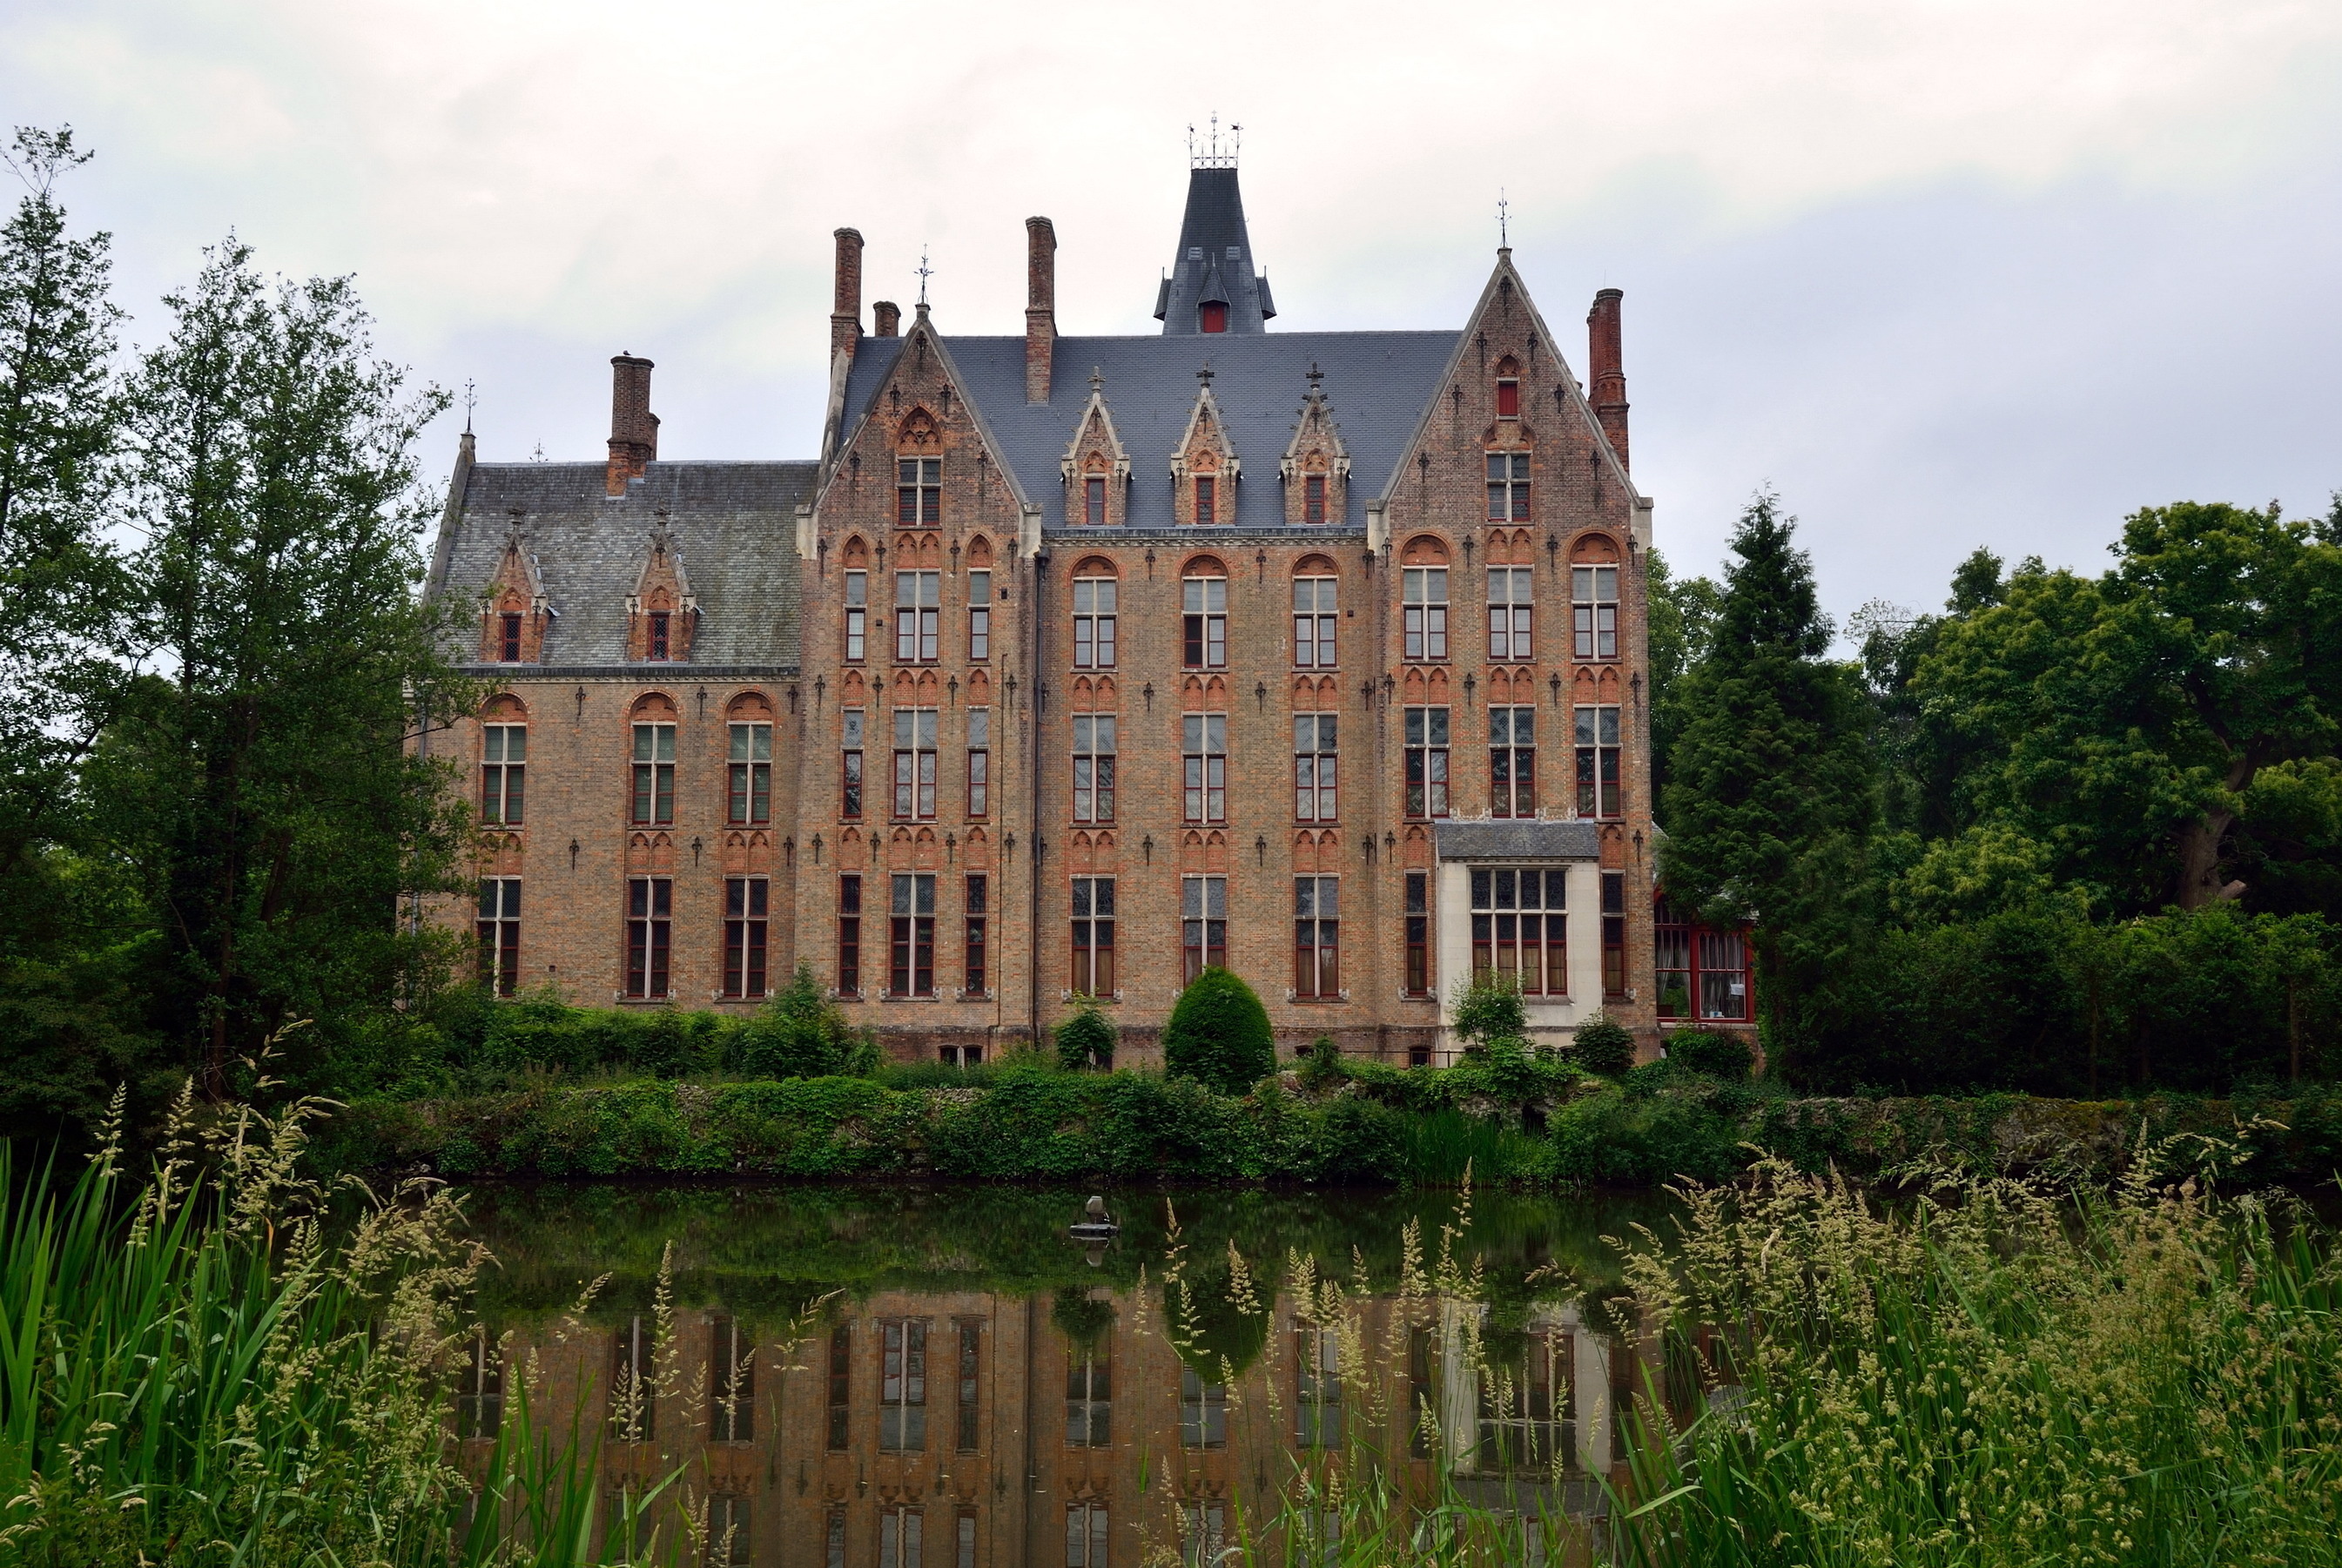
x: 1379, y: 385
x: 732, y: 523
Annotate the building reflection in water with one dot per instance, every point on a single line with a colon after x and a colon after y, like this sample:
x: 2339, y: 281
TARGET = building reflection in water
x: 982, y: 1429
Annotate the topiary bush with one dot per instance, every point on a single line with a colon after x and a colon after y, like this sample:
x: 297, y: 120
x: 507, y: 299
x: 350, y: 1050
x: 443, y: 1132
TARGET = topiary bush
x: 1723, y: 1056
x: 1085, y: 1040
x: 1219, y: 1033
x: 1603, y: 1045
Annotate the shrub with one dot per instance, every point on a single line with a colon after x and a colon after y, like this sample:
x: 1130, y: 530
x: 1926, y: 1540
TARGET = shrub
x: 1724, y: 1056
x: 1603, y: 1045
x: 801, y: 1034
x: 1321, y: 1064
x: 1489, y: 1008
x: 1085, y: 1040
x: 1219, y: 1033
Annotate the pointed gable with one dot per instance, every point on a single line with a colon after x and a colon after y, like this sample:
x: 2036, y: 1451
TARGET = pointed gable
x: 512, y: 622
x: 662, y: 615
x: 1096, y: 466
x: 1315, y: 467
x: 1205, y: 467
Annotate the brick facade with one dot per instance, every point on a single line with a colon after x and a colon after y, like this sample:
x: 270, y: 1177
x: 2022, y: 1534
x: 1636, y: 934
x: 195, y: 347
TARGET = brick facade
x: 1172, y: 530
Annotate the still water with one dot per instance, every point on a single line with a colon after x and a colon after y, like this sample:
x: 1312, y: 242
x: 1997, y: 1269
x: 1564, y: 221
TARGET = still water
x: 942, y: 1377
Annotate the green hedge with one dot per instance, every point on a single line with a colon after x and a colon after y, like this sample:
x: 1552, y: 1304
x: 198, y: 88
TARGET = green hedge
x: 1380, y: 1126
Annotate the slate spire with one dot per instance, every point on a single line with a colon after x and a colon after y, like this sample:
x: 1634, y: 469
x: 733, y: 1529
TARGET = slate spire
x: 1212, y: 286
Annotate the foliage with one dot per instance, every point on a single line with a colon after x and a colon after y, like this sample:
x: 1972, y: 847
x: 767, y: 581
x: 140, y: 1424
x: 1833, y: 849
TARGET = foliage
x: 1218, y: 1034
x: 1712, y: 1054
x: 1603, y: 1045
x: 1998, y: 1372
x: 1321, y: 1066
x: 1682, y: 618
x: 207, y: 1365
x: 1086, y: 1039
x: 800, y: 1033
x: 1487, y: 1007
x: 1772, y: 797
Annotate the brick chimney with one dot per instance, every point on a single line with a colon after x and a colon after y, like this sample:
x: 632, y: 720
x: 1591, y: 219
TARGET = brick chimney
x: 1608, y: 371
x: 1040, y: 307
x: 845, y: 311
x: 887, y: 319
x: 634, y: 428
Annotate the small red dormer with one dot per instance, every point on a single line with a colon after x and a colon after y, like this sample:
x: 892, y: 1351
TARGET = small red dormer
x: 661, y: 617
x: 518, y: 615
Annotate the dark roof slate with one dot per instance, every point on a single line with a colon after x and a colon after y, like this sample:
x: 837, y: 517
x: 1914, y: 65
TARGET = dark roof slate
x: 1378, y: 384
x: 1518, y: 841
x: 734, y: 527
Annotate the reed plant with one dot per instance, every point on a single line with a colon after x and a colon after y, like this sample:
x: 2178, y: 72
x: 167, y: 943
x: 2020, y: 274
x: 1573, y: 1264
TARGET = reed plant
x: 1993, y: 1372
x: 226, y: 1362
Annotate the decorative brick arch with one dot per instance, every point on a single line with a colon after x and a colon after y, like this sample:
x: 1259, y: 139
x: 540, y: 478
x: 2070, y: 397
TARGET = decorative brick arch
x: 749, y: 707
x: 1203, y: 566
x: 852, y: 691
x: 979, y: 552
x: 918, y: 433
x: 979, y: 689
x: 653, y: 708
x: 856, y: 554
x: 1094, y: 566
x: 1425, y: 550
x: 1315, y: 566
x: 504, y: 708
x: 1593, y: 548
x: 977, y: 850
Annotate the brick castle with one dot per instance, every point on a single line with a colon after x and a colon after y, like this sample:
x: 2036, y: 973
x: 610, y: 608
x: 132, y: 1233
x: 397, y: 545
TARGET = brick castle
x: 1073, y: 664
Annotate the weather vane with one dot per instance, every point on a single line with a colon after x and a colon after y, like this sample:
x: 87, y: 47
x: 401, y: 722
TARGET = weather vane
x: 1211, y: 156
x: 1504, y: 225
x: 925, y: 272
x: 470, y: 401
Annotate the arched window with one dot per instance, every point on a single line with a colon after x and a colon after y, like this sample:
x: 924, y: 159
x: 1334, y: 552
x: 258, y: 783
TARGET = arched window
x: 1094, y: 613
x: 918, y: 473
x: 1423, y: 602
x: 979, y: 600
x: 1204, y: 600
x: 1508, y: 388
x: 653, y: 794
x: 749, y: 776
x: 504, y: 761
x: 1594, y: 598
x: 1314, y: 613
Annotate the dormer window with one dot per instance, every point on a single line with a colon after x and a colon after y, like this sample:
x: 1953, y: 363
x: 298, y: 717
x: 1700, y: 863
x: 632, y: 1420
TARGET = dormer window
x: 1313, y: 498
x: 658, y: 640
x: 509, y: 638
x: 1093, y: 501
x: 1212, y: 316
x: 1207, y: 504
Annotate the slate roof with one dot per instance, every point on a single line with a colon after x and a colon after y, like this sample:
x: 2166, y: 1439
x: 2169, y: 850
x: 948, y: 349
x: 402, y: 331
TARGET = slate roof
x: 734, y: 525
x: 1378, y: 384
x: 1518, y: 841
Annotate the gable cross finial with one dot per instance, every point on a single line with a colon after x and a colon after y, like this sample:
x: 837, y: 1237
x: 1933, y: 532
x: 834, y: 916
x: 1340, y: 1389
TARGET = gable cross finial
x: 1504, y: 225
x: 1097, y: 380
x: 470, y: 399
x: 925, y: 272
x: 1205, y: 376
x: 1314, y: 375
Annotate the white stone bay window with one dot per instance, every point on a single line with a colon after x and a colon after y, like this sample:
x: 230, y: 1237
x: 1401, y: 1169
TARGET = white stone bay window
x: 1525, y: 900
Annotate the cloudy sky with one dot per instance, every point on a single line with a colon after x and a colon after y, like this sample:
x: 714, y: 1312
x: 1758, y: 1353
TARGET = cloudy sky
x: 1943, y: 272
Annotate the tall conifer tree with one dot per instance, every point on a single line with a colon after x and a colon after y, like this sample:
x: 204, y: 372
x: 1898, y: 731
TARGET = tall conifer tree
x: 1772, y: 796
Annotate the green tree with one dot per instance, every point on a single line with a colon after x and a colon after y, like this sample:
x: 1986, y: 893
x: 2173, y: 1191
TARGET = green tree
x: 799, y: 1033
x: 1681, y: 619
x: 1085, y: 1040
x: 1219, y: 1033
x: 264, y: 782
x: 1772, y: 802
x: 1602, y: 1044
x: 2137, y: 724
x: 1489, y: 1007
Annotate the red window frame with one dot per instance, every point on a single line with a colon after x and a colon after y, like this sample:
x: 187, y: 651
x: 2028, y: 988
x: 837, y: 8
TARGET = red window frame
x: 1690, y: 956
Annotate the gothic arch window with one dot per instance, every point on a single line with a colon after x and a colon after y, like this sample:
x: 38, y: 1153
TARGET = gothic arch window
x: 1316, y: 615
x: 1508, y: 485
x: 1096, y: 592
x: 979, y: 599
x: 856, y: 558
x: 651, y: 760
x: 1423, y: 600
x: 1203, y: 612
x: 1594, y: 597
x: 919, y: 472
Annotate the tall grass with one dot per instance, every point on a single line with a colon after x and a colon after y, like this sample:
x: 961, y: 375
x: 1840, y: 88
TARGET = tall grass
x: 200, y: 1367
x: 1443, y: 1145
x: 2000, y: 1373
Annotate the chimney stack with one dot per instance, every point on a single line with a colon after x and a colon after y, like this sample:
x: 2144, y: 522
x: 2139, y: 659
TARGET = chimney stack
x: 634, y: 428
x: 887, y: 319
x: 845, y: 311
x: 1609, y: 374
x: 1040, y: 307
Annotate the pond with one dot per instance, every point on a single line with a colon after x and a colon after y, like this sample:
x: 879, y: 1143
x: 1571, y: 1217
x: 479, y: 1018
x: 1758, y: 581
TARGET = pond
x: 941, y: 1377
